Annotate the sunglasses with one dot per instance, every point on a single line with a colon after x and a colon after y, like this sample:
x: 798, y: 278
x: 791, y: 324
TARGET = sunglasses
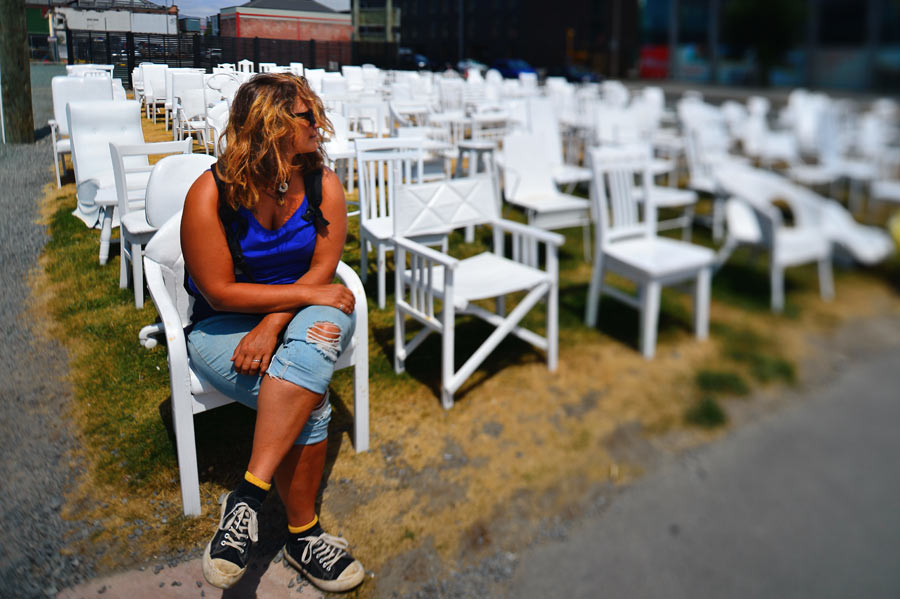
x: 309, y: 115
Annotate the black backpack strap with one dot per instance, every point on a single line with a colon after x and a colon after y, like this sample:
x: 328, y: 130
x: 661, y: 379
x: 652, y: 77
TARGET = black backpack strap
x: 313, y: 183
x: 235, y: 229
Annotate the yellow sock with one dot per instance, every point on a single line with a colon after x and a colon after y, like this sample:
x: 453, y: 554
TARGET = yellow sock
x: 252, y: 479
x: 298, y: 529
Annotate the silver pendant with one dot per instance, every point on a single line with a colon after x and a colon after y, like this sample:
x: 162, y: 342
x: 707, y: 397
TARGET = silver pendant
x: 283, y: 187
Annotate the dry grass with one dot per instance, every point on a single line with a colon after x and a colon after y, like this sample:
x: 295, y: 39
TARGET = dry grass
x: 432, y: 476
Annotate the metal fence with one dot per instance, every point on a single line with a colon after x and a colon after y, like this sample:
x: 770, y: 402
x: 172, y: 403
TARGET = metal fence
x: 127, y: 50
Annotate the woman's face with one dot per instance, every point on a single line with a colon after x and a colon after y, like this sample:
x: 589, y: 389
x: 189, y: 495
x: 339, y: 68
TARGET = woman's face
x: 308, y: 140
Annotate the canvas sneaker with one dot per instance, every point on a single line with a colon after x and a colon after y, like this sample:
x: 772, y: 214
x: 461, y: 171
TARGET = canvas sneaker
x: 226, y: 556
x: 324, y: 560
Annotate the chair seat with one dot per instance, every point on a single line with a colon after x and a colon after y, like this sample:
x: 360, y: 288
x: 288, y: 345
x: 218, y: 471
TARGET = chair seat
x: 886, y: 190
x: 659, y: 257
x: 659, y: 166
x: 551, y: 203
x: 703, y: 184
x: 136, y: 223
x: 484, y: 276
x: 63, y: 145
x: 795, y: 245
x: 565, y: 174
x: 812, y: 174
x: 379, y: 228
x: 668, y: 197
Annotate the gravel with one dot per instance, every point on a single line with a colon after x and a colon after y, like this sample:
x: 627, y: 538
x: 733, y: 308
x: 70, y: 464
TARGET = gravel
x: 36, y: 438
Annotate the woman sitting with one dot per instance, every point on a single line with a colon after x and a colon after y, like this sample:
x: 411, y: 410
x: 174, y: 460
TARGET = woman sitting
x: 262, y: 233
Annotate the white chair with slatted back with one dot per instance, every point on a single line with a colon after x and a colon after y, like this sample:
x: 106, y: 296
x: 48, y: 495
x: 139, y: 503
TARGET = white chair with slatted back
x: 427, y: 209
x: 625, y: 243
x: 384, y: 165
x: 164, y: 268
x: 131, y: 169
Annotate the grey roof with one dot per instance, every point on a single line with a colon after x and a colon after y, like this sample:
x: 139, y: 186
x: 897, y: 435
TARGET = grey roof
x: 122, y: 4
x: 302, y: 5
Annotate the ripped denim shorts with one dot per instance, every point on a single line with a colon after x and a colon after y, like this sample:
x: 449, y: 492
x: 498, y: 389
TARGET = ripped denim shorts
x: 305, y: 357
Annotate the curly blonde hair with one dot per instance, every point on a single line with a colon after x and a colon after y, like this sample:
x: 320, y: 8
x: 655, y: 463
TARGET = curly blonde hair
x: 261, y: 117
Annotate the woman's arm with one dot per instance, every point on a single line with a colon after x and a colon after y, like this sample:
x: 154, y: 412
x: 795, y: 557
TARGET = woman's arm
x: 210, y: 264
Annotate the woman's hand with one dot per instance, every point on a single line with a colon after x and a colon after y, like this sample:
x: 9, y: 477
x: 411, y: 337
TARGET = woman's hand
x: 254, y: 352
x: 334, y: 295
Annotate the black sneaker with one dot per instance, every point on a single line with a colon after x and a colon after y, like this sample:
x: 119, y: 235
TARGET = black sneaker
x: 324, y: 560
x: 226, y: 556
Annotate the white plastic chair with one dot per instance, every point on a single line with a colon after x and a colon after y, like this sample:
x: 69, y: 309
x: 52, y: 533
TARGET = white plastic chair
x: 528, y: 183
x: 93, y: 125
x: 752, y: 219
x: 626, y: 244
x: 65, y: 90
x: 427, y: 209
x: 154, y: 77
x: 132, y: 172
x: 164, y: 268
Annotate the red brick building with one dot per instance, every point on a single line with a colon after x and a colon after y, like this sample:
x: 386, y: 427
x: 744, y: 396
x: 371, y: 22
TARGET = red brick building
x: 286, y: 20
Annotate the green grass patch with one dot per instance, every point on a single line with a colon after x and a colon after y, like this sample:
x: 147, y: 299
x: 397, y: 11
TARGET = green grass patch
x: 721, y: 381
x: 706, y: 413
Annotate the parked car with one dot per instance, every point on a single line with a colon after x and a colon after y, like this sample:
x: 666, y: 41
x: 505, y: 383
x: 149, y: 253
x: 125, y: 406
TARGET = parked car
x: 464, y: 65
x: 510, y: 68
x: 410, y: 61
x: 575, y: 74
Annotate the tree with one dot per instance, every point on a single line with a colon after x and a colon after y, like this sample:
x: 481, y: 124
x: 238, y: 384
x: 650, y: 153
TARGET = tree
x: 770, y: 28
x: 15, y: 73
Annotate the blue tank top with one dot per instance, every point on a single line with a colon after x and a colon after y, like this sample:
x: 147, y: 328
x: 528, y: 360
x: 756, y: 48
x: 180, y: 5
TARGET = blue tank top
x: 274, y: 257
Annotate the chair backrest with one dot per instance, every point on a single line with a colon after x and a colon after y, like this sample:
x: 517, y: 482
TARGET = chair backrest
x: 226, y: 83
x: 154, y: 76
x: 616, y: 211
x: 267, y: 67
x: 367, y: 117
x: 354, y: 77
x: 92, y: 126
x: 131, y: 159
x: 384, y: 165
x: 334, y: 84
x: 217, y: 117
x: 170, y: 180
x: 296, y: 68
x: 429, y: 208
x: 164, y: 249
x: 314, y: 78
x: 170, y: 77
x: 193, y: 104
x: 76, y: 89
x: 526, y: 171
x: 543, y: 123
x: 245, y: 66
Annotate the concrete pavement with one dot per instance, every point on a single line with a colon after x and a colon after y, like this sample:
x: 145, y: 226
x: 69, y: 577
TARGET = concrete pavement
x: 802, y: 503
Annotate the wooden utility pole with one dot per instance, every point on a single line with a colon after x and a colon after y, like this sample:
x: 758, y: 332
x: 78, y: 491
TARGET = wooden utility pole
x: 15, y: 74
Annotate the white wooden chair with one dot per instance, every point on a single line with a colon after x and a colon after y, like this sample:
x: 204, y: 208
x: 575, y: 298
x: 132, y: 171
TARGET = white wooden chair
x: 626, y: 244
x: 93, y: 125
x: 752, y: 219
x: 164, y: 268
x: 132, y: 173
x: 65, y: 90
x: 544, y: 123
x: 384, y: 165
x: 429, y: 208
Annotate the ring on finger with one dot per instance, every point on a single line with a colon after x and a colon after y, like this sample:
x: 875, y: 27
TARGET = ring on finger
x: 260, y: 360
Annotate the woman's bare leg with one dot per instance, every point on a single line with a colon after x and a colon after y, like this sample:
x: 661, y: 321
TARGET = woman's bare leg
x: 297, y: 479
x: 282, y: 411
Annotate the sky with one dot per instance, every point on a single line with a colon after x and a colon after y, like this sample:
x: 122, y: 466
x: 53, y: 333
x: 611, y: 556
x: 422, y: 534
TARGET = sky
x: 204, y: 8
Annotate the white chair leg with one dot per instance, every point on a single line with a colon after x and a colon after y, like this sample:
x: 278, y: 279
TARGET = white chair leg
x: 56, y: 166
x: 447, y: 358
x: 553, y: 328
x: 776, y: 280
x: 586, y: 241
x: 826, y: 279
x: 718, y: 218
x: 470, y: 233
x: 123, y: 266
x: 650, y: 293
x: 105, y: 232
x: 382, y: 275
x: 183, y: 423
x: 363, y: 257
x: 595, y: 288
x: 688, y: 221
x: 701, y: 303
x: 137, y: 267
x: 350, y: 174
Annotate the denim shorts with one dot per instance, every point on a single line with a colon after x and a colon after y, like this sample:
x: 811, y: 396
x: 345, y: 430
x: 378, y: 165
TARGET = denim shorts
x: 303, y: 357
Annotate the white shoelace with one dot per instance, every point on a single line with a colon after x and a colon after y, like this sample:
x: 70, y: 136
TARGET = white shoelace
x: 240, y: 522
x: 328, y: 549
